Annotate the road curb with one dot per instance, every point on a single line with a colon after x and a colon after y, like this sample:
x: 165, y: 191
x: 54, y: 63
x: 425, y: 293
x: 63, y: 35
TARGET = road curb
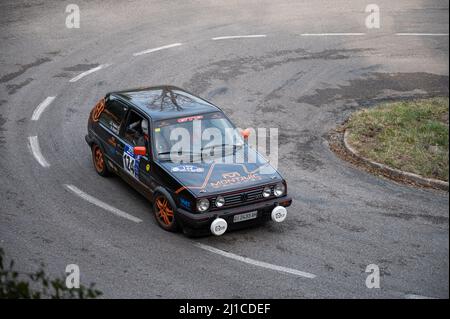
x: 389, y: 171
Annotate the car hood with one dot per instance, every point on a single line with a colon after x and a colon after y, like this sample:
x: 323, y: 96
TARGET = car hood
x: 221, y: 174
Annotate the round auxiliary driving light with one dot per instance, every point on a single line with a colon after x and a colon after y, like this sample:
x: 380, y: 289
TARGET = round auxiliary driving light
x: 266, y: 191
x: 202, y: 205
x: 220, y: 201
x: 279, y: 214
x: 219, y: 226
x: 279, y: 189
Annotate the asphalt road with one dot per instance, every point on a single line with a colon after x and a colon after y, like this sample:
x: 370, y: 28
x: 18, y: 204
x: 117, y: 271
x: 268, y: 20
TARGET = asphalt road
x: 342, y: 219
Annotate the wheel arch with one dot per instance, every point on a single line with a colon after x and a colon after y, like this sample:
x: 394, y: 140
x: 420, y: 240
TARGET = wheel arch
x: 161, y: 190
x: 92, y: 139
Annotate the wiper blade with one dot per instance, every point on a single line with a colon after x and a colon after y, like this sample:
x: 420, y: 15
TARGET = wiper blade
x: 221, y: 145
x: 165, y: 153
x: 181, y: 154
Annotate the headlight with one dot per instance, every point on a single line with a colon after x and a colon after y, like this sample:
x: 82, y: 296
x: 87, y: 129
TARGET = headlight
x: 279, y: 190
x: 220, y: 201
x: 202, y: 205
x: 267, y: 191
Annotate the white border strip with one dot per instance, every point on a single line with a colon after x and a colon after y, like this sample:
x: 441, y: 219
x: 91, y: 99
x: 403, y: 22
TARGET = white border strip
x: 101, y: 204
x: 330, y: 34
x: 256, y: 262
x: 33, y: 144
x: 424, y: 34
x: 239, y: 37
x: 157, y: 49
x: 41, y: 108
x: 413, y: 296
x: 82, y: 75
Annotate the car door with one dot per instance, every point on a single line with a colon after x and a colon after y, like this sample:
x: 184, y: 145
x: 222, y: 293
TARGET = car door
x: 136, y: 168
x: 145, y: 162
x: 108, y: 130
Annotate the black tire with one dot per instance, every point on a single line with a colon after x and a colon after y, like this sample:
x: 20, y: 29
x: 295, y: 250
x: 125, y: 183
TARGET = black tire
x: 98, y: 159
x: 164, y: 213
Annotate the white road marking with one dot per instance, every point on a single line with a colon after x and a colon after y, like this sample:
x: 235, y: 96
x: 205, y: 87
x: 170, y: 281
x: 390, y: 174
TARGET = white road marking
x: 158, y: 49
x: 82, y: 75
x: 413, y: 296
x: 330, y: 34
x: 424, y: 34
x: 239, y: 37
x: 36, y: 151
x: 41, y: 107
x: 256, y: 262
x: 101, y: 204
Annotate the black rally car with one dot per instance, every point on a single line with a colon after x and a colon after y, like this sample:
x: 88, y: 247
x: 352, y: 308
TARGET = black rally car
x: 199, y: 189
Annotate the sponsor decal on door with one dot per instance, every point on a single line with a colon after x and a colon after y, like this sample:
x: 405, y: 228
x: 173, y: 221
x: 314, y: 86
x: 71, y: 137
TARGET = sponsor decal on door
x: 131, y: 161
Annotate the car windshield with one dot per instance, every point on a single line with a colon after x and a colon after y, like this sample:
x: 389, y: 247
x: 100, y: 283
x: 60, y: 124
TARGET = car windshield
x: 194, y: 137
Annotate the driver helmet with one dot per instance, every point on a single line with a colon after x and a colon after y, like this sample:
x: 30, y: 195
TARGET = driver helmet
x: 144, y: 126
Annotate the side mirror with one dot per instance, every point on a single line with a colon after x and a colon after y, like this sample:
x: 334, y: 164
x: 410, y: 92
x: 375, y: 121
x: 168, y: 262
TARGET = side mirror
x: 140, y: 150
x: 245, y: 133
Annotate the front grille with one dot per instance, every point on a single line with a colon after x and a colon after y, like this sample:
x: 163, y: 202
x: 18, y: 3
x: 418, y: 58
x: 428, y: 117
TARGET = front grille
x: 247, y: 196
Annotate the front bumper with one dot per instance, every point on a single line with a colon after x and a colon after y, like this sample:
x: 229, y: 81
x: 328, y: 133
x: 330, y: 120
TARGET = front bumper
x: 200, y: 222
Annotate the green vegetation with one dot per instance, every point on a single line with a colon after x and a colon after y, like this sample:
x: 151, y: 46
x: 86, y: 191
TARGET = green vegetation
x: 407, y: 135
x: 15, y: 285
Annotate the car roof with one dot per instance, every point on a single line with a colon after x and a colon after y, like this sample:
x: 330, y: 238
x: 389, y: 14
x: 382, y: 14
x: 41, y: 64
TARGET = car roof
x: 165, y: 101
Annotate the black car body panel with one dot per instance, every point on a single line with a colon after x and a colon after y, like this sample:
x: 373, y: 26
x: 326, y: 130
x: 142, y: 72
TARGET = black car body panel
x: 165, y: 102
x: 203, y: 179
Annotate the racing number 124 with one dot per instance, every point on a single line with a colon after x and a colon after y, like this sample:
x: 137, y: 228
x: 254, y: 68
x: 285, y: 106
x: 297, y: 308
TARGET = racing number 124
x: 128, y: 163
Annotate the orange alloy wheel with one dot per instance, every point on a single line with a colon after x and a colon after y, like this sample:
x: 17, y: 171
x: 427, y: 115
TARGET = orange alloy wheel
x: 164, y: 212
x: 97, y: 155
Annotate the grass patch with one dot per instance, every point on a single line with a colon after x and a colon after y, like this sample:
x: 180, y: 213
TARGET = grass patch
x: 407, y: 135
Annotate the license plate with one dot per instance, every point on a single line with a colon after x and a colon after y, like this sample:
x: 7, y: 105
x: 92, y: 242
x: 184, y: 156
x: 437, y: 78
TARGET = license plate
x: 245, y: 216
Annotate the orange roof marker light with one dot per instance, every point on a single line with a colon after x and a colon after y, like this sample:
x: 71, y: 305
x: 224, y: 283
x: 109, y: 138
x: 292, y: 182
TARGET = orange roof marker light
x: 245, y: 133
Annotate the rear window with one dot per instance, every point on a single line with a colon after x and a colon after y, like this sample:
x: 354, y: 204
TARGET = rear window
x: 113, y: 115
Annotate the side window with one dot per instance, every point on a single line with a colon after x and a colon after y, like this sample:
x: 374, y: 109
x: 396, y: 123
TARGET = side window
x: 136, y: 130
x: 113, y: 115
